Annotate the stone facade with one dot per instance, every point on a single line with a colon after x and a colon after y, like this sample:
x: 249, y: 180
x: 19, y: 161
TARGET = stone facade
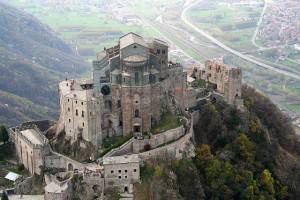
x: 31, y: 147
x: 125, y: 94
x: 228, y: 80
x: 81, y: 111
x: 121, y: 171
x: 130, y: 76
x: 56, y: 189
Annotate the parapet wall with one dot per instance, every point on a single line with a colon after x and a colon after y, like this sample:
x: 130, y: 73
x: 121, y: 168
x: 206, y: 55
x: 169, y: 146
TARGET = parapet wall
x: 59, y: 161
x: 158, y: 139
x: 176, y: 149
x: 138, y: 145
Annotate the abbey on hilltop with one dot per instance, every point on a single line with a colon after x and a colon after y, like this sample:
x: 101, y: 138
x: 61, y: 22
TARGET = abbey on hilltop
x: 133, y: 89
x: 128, y: 84
x: 124, y: 97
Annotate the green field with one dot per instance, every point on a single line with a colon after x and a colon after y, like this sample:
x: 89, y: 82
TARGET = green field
x: 88, y: 29
x: 233, y: 25
x: 294, y: 107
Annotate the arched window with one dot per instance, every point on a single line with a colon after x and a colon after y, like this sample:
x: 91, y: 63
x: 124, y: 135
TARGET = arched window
x: 136, y: 113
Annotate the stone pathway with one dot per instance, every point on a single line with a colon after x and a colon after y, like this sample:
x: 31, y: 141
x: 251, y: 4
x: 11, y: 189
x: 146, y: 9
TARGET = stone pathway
x: 26, y: 197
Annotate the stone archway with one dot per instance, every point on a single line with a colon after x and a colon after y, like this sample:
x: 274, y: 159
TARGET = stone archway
x: 126, y: 189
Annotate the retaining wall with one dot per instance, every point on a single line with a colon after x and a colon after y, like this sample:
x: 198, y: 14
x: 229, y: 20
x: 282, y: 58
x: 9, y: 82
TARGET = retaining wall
x: 158, y: 139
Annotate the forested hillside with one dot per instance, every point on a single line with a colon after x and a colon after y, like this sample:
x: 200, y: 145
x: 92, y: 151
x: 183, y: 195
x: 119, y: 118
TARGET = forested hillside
x: 251, y: 154
x: 32, y: 62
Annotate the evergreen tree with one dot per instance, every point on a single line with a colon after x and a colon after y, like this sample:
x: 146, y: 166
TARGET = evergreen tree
x: 4, y: 137
x: 4, y: 196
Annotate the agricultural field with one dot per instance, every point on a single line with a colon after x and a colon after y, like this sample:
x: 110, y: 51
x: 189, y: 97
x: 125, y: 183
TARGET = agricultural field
x: 232, y: 24
x: 87, y: 28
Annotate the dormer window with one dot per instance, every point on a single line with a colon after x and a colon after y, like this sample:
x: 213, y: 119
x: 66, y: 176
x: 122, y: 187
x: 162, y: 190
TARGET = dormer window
x: 134, y: 46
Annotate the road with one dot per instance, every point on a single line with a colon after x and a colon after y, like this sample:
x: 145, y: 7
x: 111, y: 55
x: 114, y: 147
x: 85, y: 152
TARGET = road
x: 253, y: 40
x: 228, y: 49
x: 150, y: 23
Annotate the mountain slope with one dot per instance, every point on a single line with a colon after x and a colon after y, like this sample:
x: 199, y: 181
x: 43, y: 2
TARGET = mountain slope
x: 32, y: 62
x: 249, y: 154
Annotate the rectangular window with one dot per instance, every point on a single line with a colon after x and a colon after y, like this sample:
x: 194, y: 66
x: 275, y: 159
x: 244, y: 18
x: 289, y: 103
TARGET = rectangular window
x: 120, y: 177
x: 136, y: 77
x: 82, y: 124
x: 134, y: 170
x: 112, y: 171
x: 158, y: 51
x: 76, y: 112
x: 82, y: 114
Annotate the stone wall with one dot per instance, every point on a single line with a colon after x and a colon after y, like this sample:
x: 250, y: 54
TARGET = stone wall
x: 158, y: 139
x: 228, y: 80
x: 177, y: 150
x: 175, y: 84
x: 126, y: 148
x: 59, y: 161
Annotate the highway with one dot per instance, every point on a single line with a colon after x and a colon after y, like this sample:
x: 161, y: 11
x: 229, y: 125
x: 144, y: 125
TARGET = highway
x: 228, y: 49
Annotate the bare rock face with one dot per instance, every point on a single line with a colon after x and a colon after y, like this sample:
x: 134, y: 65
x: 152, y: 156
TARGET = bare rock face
x: 79, y: 150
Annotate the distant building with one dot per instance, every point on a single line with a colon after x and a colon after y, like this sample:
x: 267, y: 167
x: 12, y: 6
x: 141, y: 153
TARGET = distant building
x: 224, y: 79
x: 81, y: 111
x: 31, y: 146
x: 121, y: 171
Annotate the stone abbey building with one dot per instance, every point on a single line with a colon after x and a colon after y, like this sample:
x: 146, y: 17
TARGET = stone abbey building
x: 128, y: 89
x: 125, y: 93
x: 134, y: 69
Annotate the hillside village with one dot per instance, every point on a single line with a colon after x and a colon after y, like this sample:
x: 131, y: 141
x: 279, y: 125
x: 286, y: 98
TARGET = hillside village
x: 138, y: 105
x: 281, y: 25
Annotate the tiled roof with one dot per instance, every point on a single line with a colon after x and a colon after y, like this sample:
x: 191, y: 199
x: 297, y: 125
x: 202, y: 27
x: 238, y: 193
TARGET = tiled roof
x: 131, y: 38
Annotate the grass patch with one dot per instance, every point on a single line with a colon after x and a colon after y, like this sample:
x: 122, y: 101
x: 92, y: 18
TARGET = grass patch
x: 167, y: 122
x: 201, y: 83
x: 294, y: 108
x: 113, y: 142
